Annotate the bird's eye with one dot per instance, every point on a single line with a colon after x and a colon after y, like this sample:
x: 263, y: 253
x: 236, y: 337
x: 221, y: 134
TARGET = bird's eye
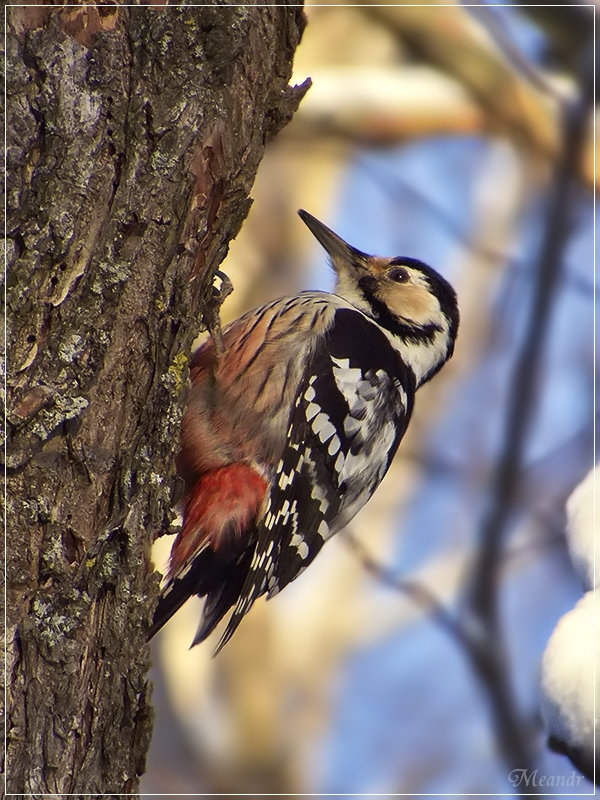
x: 399, y: 275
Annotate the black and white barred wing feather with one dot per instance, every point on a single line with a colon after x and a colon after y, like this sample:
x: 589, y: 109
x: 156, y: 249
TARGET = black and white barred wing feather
x: 349, y: 416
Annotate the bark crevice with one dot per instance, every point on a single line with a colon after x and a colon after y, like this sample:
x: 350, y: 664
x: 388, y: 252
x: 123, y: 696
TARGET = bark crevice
x: 134, y: 134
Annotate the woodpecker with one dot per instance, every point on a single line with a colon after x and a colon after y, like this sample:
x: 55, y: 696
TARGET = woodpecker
x: 291, y: 425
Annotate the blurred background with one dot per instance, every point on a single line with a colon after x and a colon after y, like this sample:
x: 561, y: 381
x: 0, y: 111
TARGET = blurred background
x: 406, y: 660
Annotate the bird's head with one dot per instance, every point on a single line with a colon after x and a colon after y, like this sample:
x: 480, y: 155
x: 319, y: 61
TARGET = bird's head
x: 413, y: 303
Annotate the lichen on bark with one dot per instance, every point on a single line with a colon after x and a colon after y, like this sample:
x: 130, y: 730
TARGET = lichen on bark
x: 133, y: 138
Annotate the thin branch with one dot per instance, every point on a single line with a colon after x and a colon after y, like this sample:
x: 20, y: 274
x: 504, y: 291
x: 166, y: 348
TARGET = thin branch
x: 488, y: 17
x: 417, y: 592
x: 525, y: 377
x: 482, y: 595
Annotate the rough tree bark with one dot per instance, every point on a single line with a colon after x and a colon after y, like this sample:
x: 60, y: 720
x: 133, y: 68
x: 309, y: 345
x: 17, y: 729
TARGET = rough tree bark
x: 134, y: 135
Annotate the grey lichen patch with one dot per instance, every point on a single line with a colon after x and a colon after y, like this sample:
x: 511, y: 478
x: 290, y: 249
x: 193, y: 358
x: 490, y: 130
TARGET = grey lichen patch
x: 80, y: 107
x: 57, y: 618
x: 29, y: 510
x: 53, y: 556
x: 174, y: 381
x: 172, y: 422
x: 166, y: 156
x: 9, y: 249
x: 63, y: 408
x: 71, y: 348
x: 112, y: 267
x: 103, y: 563
x: 157, y: 487
x: 113, y: 272
x: 103, y: 337
x: 63, y: 225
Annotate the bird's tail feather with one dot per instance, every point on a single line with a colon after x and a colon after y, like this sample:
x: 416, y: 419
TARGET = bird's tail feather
x: 217, y: 577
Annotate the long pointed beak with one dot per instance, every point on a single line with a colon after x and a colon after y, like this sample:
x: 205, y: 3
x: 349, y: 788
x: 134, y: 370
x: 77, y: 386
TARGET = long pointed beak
x: 341, y: 253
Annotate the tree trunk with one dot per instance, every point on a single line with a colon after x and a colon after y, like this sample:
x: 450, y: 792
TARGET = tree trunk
x: 134, y: 135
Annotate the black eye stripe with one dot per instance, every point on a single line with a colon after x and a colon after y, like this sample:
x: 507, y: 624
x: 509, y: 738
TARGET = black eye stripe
x: 398, y: 274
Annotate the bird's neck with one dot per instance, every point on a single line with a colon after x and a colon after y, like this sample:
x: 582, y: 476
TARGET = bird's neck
x: 423, y: 350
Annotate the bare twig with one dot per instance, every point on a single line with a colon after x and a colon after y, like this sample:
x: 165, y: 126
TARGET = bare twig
x: 415, y: 591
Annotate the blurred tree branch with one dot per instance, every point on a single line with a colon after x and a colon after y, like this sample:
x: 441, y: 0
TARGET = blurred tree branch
x: 481, y: 602
x: 566, y: 26
x: 414, y: 590
x: 478, y: 629
x: 526, y: 370
x: 474, y: 87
